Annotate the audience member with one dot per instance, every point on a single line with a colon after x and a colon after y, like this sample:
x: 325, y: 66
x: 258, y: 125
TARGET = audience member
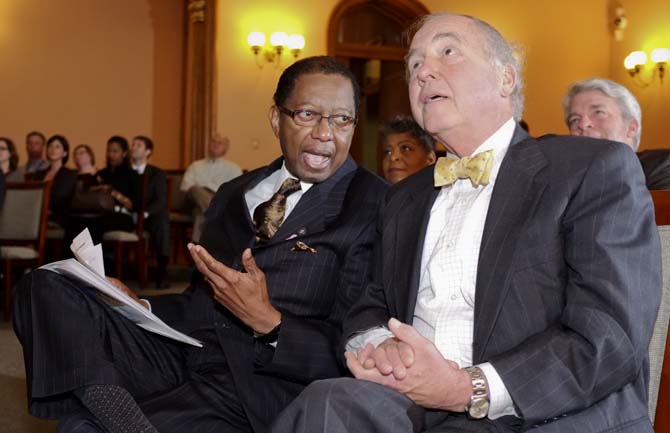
x: 151, y: 198
x: 9, y: 158
x: 601, y: 108
x: 406, y: 148
x: 64, y: 179
x: 529, y: 270
x: 204, y: 176
x: 35, y: 149
x: 303, y: 278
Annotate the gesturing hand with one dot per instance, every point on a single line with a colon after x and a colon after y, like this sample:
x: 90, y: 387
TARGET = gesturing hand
x: 429, y: 380
x: 244, y: 294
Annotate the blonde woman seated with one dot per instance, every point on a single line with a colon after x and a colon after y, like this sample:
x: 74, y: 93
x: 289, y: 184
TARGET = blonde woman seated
x: 406, y: 148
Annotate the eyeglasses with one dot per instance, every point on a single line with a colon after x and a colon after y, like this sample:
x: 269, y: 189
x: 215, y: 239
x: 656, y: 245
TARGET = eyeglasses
x: 313, y: 118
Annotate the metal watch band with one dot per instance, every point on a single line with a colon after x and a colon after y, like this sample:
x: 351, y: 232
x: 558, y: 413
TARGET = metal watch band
x: 480, y: 399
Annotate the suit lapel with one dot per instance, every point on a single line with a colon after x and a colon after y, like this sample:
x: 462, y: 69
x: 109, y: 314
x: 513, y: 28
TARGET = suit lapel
x: 238, y: 224
x: 406, y: 237
x: 516, y: 193
x: 317, y: 207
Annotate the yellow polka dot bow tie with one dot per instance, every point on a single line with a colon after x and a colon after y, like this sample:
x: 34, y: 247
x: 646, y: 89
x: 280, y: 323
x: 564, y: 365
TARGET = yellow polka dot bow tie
x: 476, y: 168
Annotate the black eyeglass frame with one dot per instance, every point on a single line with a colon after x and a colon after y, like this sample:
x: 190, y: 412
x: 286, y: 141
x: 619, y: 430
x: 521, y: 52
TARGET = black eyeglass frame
x: 319, y: 116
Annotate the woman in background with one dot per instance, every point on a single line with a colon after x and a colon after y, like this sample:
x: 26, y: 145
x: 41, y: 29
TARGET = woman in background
x: 64, y: 179
x: 9, y: 158
x: 406, y: 148
x: 84, y: 160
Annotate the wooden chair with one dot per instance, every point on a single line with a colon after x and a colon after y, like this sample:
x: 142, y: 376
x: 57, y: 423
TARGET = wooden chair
x: 659, y: 348
x: 23, y: 223
x: 181, y: 221
x: 120, y: 241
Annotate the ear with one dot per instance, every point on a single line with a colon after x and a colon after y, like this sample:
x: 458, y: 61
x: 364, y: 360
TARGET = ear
x: 273, y: 116
x: 508, y: 80
x: 431, y: 157
x: 633, y: 128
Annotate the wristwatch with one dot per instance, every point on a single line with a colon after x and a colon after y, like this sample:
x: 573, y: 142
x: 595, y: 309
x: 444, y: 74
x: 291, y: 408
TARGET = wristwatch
x: 478, y: 407
x: 270, y: 337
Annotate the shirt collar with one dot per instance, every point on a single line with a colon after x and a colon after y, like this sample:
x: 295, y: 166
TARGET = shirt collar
x: 499, y: 142
x: 285, y: 174
x: 140, y: 168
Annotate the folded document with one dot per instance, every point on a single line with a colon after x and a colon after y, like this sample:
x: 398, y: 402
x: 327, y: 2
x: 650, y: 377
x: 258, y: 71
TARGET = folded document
x: 88, y: 267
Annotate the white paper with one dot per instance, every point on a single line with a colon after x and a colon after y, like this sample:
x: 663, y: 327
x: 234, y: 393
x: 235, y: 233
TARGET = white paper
x: 90, y: 270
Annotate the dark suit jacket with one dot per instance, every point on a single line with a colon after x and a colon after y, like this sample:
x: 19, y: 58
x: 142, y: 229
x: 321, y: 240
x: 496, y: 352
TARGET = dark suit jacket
x: 313, y: 291
x: 656, y: 167
x: 568, y: 281
x: 62, y: 192
x: 154, y: 202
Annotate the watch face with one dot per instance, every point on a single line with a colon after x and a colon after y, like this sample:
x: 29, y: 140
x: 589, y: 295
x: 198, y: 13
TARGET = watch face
x: 479, y: 408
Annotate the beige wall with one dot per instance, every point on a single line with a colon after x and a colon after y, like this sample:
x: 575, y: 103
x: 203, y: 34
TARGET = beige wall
x: 89, y: 69
x: 560, y: 47
x: 245, y: 91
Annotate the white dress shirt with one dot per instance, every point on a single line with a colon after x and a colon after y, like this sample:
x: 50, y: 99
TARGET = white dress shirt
x: 444, y: 311
x: 209, y: 173
x: 268, y: 186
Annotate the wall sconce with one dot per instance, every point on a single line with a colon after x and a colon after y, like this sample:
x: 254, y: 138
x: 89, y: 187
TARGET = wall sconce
x: 636, y: 60
x: 278, y: 41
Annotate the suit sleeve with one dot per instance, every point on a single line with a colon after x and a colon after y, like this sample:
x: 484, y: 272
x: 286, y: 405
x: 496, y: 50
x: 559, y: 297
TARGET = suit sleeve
x: 611, y: 293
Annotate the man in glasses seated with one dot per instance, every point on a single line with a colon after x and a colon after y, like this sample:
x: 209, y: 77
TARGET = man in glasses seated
x: 286, y: 250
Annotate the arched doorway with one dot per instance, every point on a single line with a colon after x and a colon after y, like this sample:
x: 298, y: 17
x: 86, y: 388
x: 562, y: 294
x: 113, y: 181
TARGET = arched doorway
x: 368, y: 35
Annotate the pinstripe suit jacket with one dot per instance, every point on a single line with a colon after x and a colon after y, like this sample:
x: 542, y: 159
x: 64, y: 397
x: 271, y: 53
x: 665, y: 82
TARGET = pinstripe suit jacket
x: 313, y: 291
x: 568, y: 282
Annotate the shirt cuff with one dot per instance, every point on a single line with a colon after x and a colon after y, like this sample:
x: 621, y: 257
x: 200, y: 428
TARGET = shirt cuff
x: 374, y: 336
x: 501, y: 403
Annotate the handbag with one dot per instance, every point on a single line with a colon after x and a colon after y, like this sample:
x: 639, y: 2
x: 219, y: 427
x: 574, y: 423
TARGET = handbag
x: 88, y: 201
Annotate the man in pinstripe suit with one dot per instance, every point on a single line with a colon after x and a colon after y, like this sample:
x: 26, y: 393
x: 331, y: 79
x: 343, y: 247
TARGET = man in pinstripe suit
x: 268, y: 306
x: 529, y: 272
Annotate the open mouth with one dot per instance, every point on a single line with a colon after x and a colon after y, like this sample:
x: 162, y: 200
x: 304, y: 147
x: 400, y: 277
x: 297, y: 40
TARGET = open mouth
x: 315, y: 161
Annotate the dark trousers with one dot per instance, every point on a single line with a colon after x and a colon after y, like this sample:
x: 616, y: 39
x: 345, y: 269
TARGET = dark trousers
x: 71, y: 339
x: 348, y: 405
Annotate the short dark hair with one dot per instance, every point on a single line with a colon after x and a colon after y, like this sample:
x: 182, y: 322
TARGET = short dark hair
x: 64, y: 142
x: 402, y: 123
x: 13, y: 154
x: 88, y: 150
x: 148, y: 143
x: 314, y: 65
x: 121, y: 141
x: 36, y: 133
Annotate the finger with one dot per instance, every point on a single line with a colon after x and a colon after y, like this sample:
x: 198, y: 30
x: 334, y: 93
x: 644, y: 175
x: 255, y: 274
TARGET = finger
x: 210, y: 276
x: 230, y: 275
x: 364, y: 356
x: 249, y: 263
x: 353, y: 365
x: 406, y: 333
x: 406, y: 353
x: 381, y: 360
x: 398, y: 368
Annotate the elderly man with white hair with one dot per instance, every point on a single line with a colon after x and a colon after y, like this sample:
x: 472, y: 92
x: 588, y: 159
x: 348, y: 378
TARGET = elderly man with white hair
x: 601, y: 108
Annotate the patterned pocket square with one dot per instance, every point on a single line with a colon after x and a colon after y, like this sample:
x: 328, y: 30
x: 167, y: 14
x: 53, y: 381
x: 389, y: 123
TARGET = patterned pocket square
x: 301, y: 246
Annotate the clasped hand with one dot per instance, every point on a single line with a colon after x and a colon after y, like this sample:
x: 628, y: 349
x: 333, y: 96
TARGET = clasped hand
x: 245, y: 294
x: 411, y: 364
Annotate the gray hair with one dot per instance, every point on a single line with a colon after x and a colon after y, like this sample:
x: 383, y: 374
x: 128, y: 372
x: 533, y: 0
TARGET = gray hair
x: 630, y: 108
x: 502, y: 53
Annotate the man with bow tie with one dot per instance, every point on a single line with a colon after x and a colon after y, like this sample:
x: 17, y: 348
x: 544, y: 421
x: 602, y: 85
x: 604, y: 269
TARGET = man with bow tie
x: 286, y: 250
x: 516, y: 287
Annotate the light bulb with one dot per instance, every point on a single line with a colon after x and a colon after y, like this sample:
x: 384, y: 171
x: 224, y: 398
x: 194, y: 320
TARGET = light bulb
x: 278, y: 39
x: 256, y: 39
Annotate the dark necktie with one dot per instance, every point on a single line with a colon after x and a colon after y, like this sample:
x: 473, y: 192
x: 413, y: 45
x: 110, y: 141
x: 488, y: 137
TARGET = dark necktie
x: 269, y: 215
